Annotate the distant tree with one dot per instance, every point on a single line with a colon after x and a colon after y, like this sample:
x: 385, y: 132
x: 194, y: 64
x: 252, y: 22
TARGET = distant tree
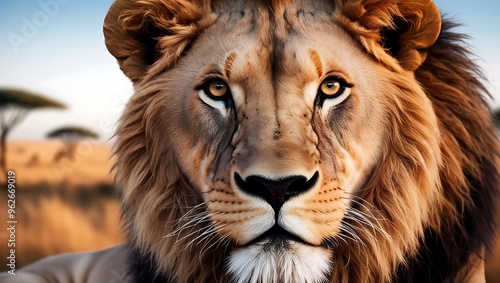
x: 70, y: 136
x: 15, y: 104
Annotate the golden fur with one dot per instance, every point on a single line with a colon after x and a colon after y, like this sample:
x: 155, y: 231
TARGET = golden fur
x: 403, y: 157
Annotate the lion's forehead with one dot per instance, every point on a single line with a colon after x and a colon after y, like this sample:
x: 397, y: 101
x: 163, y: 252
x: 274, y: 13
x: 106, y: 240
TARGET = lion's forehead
x: 284, y: 41
x: 289, y: 12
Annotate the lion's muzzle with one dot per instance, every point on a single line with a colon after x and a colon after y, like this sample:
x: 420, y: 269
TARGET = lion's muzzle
x: 276, y: 191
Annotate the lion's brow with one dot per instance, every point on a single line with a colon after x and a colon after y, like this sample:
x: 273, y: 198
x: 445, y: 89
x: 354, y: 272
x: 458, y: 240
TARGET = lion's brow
x: 317, y: 62
x: 229, y: 64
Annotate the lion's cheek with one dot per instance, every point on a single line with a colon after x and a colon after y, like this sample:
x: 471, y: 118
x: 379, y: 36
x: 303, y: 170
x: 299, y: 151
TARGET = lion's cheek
x: 207, y: 167
x: 312, y: 220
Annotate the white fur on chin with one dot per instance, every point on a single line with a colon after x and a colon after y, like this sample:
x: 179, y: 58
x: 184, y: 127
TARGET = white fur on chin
x: 279, y: 260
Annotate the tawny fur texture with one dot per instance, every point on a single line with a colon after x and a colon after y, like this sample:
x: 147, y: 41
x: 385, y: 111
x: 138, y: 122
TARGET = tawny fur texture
x: 426, y: 168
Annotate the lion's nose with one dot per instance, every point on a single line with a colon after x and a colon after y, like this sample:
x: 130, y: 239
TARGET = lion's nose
x: 276, y: 192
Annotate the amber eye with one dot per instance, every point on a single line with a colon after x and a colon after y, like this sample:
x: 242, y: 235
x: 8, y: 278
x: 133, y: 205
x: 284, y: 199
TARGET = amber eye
x: 331, y: 87
x: 216, y: 89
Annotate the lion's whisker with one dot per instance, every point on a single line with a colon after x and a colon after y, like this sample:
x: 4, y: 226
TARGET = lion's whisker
x: 350, y: 232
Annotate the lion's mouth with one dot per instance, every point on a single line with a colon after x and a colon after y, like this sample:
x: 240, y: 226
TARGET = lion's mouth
x: 277, y: 236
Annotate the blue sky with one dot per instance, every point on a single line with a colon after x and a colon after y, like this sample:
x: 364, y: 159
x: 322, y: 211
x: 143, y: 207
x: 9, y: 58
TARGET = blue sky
x: 62, y: 57
x: 56, y: 48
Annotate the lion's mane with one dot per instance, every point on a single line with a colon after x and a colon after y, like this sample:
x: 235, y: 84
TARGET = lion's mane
x: 436, y: 205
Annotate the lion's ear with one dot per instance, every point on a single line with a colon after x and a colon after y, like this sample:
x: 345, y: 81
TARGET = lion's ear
x: 141, y: 32
x: 388, y: 29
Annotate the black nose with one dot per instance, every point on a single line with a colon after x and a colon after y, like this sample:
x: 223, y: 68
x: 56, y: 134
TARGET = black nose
x: 275, y: 192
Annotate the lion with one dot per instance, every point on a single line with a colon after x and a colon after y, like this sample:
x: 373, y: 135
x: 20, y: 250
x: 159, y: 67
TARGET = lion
x: 297, y: 141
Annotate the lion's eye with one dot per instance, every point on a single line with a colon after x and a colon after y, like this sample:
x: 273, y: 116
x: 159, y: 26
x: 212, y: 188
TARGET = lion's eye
x: 331, y: 87
x: 216, y: 89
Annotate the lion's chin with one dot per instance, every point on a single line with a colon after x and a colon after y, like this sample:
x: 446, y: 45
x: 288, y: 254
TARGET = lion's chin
x: 279, y: 260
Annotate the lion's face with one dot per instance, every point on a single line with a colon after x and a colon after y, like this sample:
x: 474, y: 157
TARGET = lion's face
x: 276, y: 143
x: 277, y: 139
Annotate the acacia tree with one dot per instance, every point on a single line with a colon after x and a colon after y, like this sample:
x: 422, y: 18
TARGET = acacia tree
x: 15, y: 104
x: 70, y: 137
